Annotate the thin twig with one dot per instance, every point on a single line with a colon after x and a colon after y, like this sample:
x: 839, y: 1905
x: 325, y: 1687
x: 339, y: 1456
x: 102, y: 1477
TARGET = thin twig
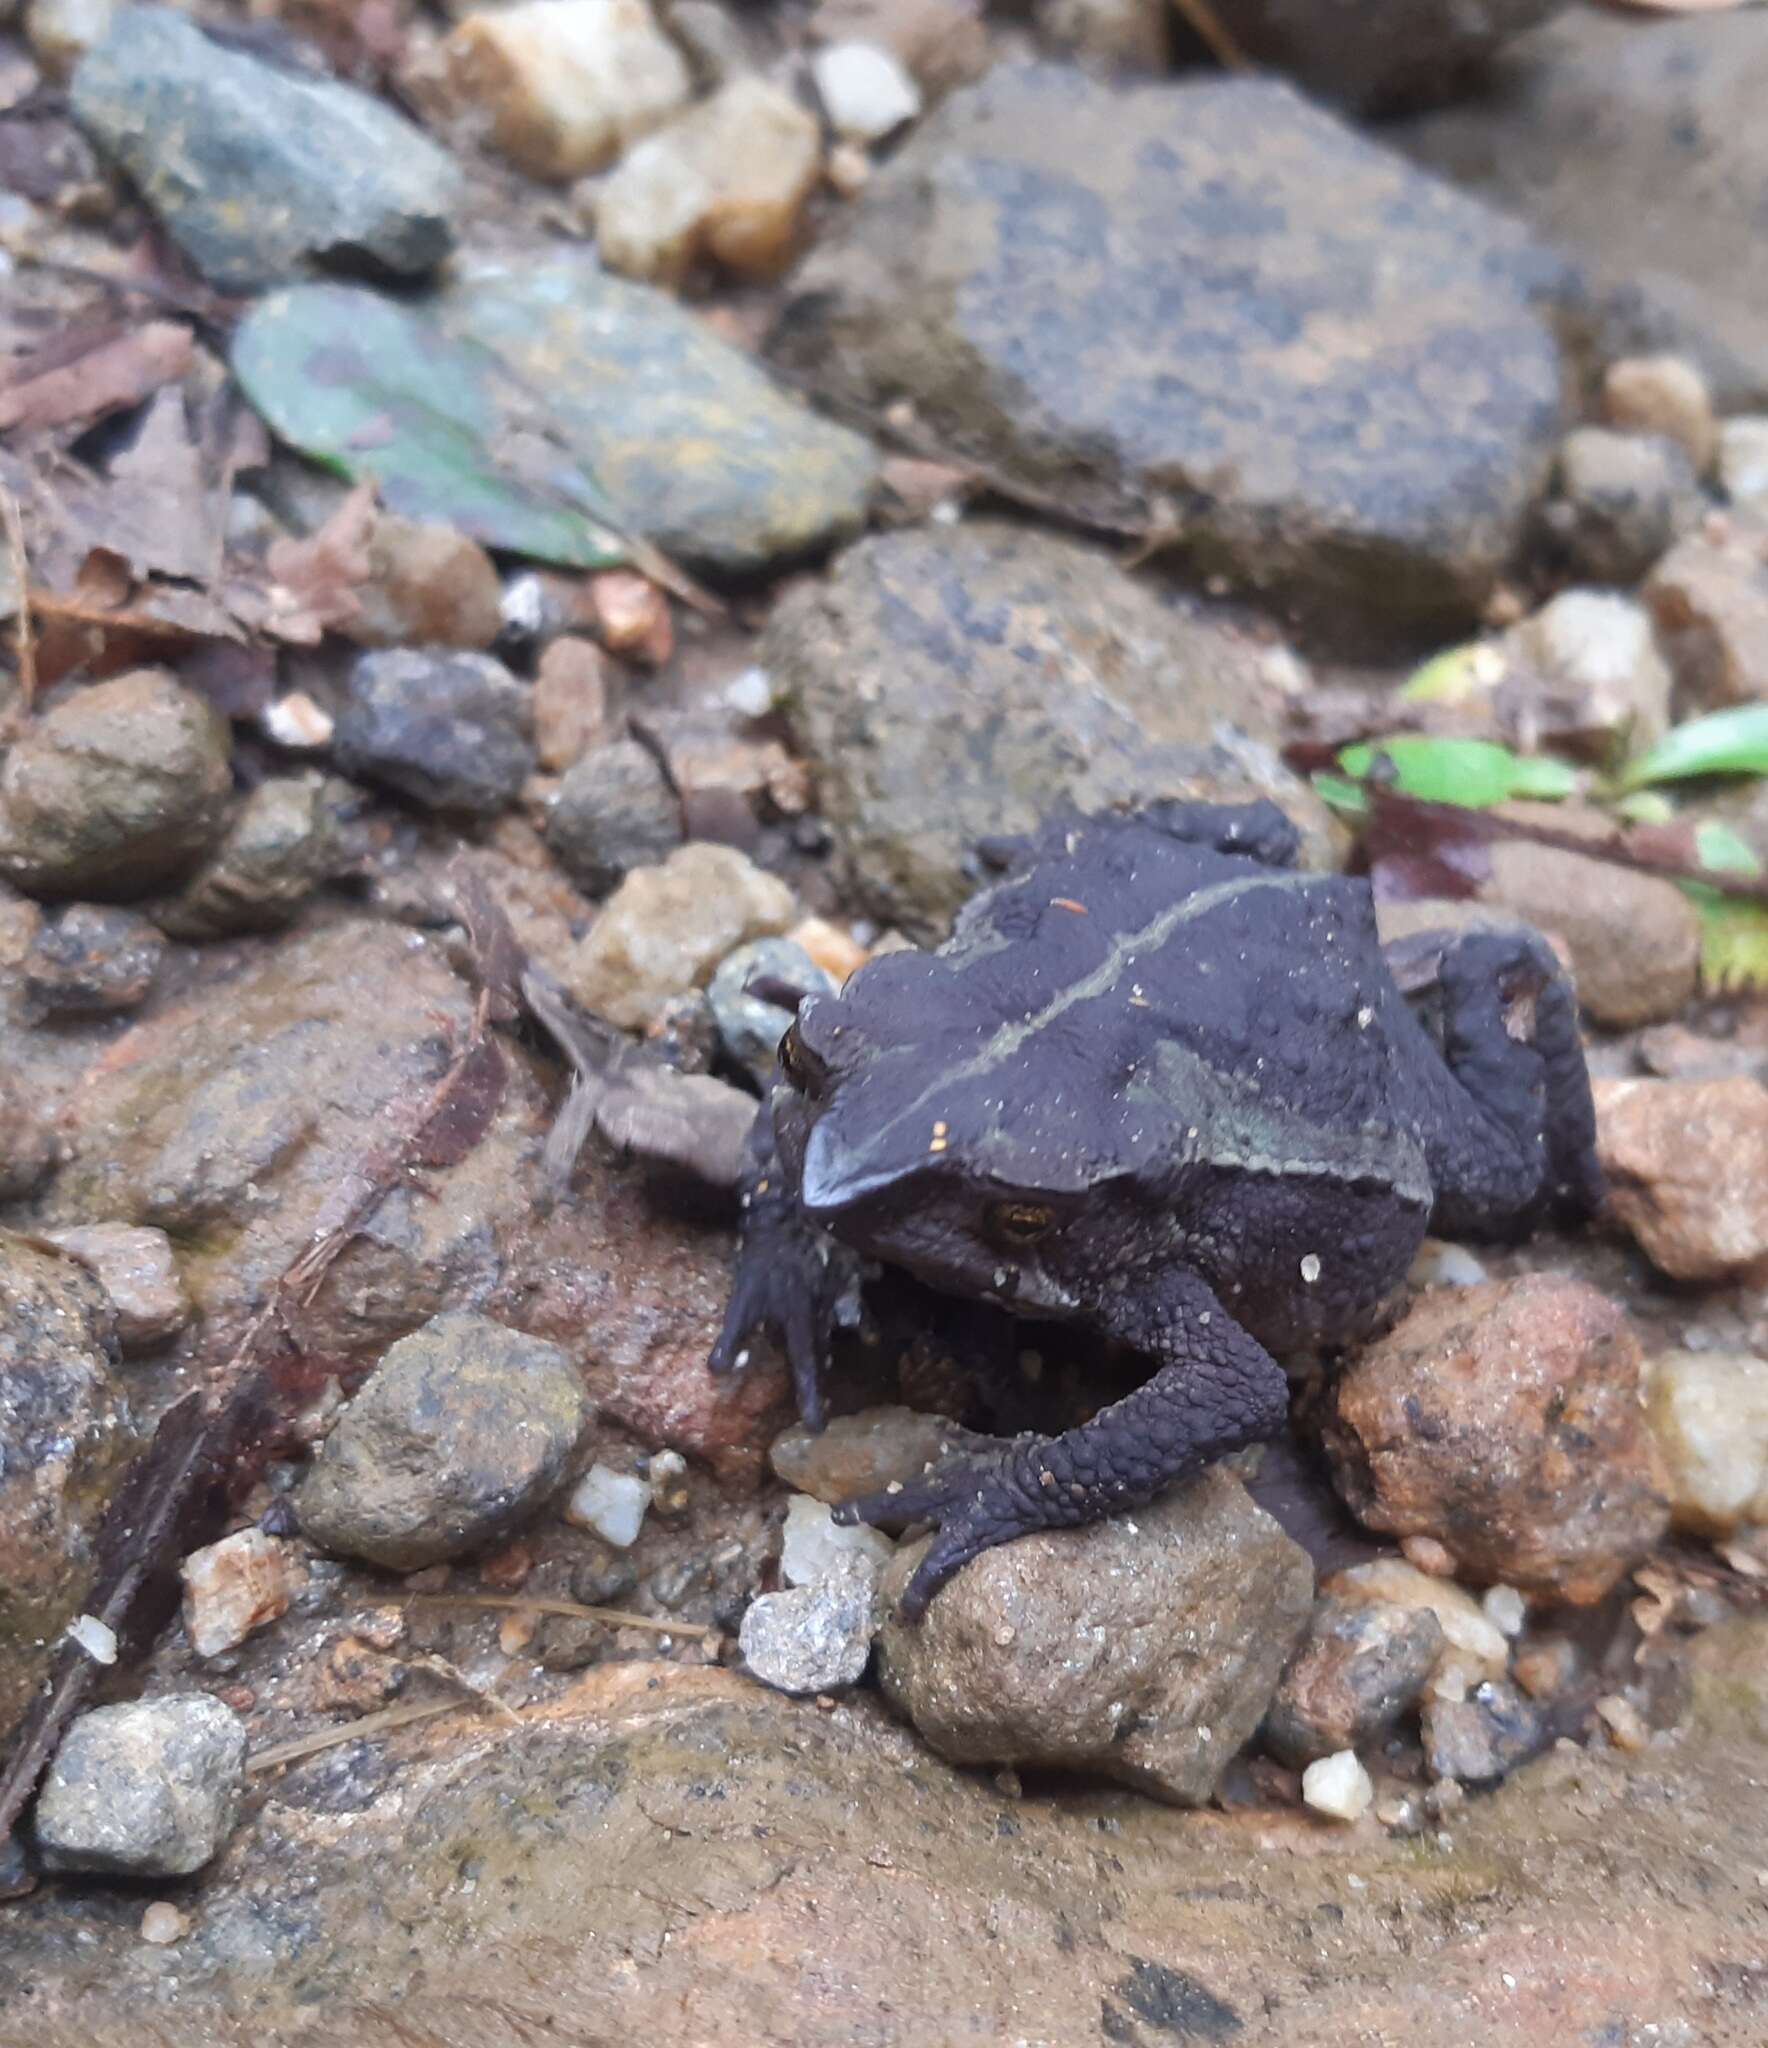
x: 615, y: 1617
x: 353, y: 1731
x: 25, y: 639
x: 1210, y: 30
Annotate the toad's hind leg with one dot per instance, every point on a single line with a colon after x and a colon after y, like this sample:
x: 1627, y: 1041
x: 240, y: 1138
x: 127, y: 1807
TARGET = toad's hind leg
x: 1215, y: 1390
x: 1516, y: 1130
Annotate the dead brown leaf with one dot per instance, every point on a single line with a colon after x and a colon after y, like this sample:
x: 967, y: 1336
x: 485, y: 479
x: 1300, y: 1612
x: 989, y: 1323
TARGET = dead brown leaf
x: 323, y: 573
x: 45, y: 391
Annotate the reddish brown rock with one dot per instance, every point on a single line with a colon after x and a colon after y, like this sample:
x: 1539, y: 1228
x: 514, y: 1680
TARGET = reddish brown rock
x: 637, y: 1295
x: 1360, y: 1666
x: 1687, y: 1166
x: 1504, y: 1422
x: 1634, y: 939
x: 1709, y: 596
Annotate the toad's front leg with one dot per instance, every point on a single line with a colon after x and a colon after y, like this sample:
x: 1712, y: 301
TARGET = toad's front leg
x: 1215, y: 1390
x: 793, y: 1282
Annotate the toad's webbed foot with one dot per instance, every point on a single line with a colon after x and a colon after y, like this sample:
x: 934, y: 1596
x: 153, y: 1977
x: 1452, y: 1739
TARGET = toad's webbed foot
x: 1216, y: 1390
x: 794, y: 1283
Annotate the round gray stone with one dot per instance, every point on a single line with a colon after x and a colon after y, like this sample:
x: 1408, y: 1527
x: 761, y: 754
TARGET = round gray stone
x: 147, y: 1789
x: 461, y: 1432
x: 451, y: 729
x: 615, y: 811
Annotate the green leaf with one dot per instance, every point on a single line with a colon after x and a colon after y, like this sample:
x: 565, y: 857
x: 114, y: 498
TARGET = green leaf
x: 372, y: 389
x: 1348, y: 797
x: 1733, y: 941
x: 1724, y: 851
x: 1733, y: 742
x: 1473, y: 773
x: 1455, y: 675
x: 1645, y: 807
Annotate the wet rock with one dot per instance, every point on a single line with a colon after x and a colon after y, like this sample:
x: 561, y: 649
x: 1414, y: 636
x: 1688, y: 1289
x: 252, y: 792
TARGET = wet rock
x: 1743, y: 459
x: 749, y: 1027
x: 1709, y: 1413
x: 28, y: 1150
x: 665, y: 929
x: 1603, y: 682
x: 256, y: 169
x: 1360, y: 1666
x: 696, y: 445
x: 1146, y: 1647
x: 89, y: 959
x: 615, y: 811
x: 68, y: 1437
x: 863, y: 1453
x: 1375, y: 57
x: 1664, y: 395
x: 139, y: 1273
x: 114, y: 790
x: 1504, y: 1422
x: 1483, y: 1738
x: 814, y: 1638
x: 947, y: 686
x: 635, y: 1296
x: 1709, y: 596
x: 573, y: 701
x: 1473, y: 1644
x: 1356, y: 424
x: 612, y: 1504
x: 1338, y: 1786
x: 1634, y: 939
x: 229, y: 1120
x: 726, y: 183
x: 1687, y: 1167
x: 234, y: 1586
x: 566, y: 84
x: 285, y: 841
x: 450, y: 729
x: 694, y: 1804
x: 1620, y: 501
x: 1631, y: 139
x: 865, y: 90
x: 461, y: 1433
x: 812, y: 1543
x: 148, y: 1789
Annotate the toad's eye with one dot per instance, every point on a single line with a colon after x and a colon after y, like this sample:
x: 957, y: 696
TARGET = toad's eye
x: 1020, y: 1223
x: 802, y: 1067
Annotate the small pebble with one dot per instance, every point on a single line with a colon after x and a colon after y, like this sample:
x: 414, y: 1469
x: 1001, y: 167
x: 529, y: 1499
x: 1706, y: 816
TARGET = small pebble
x: 162, y: 1924
x: 1627, y: 1728
x: 611, y: 1503
x: 865, y: 91
x: 136, y: 1267
x: 814, y: 1638
x: 1743, y: 459
x: 1338, y: 1786
x: 98, y: 1640
x: 235, y: 1586
x: 1505, y: 1609
x: 1445, y: 1265
x: 667, y: 1473
x: 812, y: 1543
x: 1663, y: 395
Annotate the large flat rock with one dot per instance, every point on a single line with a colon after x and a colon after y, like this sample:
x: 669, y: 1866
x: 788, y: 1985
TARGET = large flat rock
x: 679, y: 1856
x: 1210, y: 311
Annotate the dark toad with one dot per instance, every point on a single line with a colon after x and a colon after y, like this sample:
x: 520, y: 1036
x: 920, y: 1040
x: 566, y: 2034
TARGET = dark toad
x: 1161, y: 1082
